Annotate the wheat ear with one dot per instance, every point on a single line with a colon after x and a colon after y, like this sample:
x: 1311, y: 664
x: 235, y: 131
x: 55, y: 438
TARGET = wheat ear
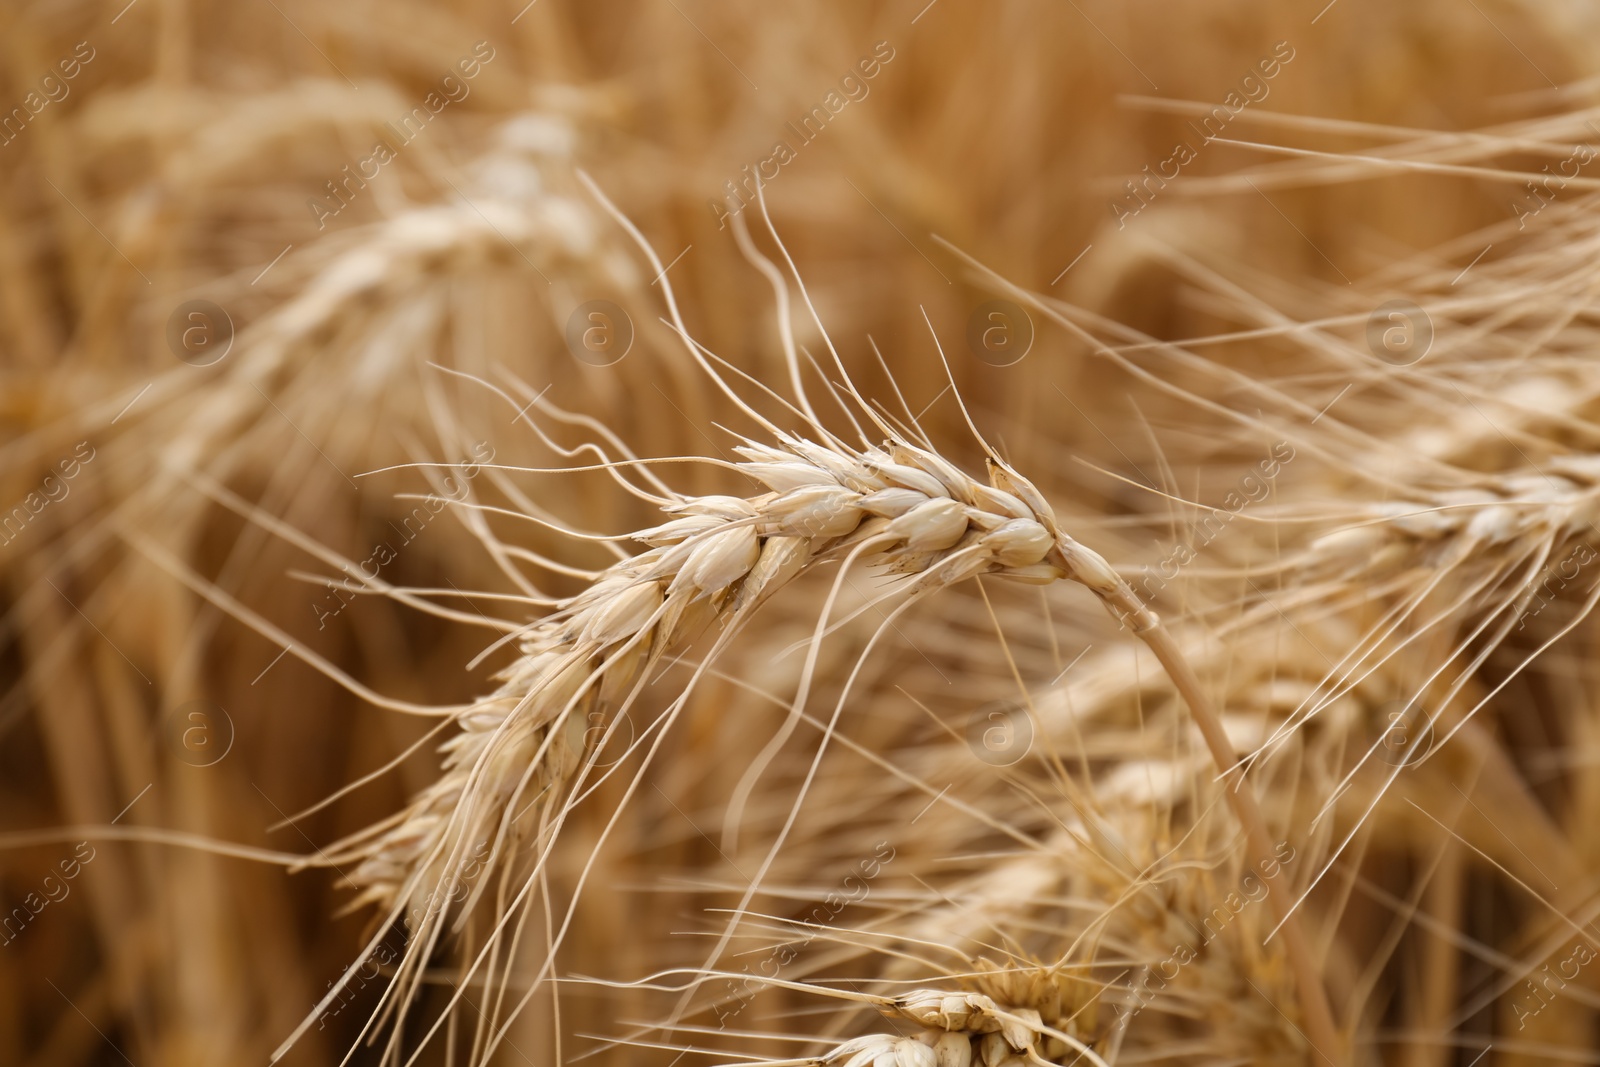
x: 897, y: 504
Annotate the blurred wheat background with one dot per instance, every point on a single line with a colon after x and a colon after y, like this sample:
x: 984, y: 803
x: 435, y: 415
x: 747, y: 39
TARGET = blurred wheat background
x: 1297, y: 318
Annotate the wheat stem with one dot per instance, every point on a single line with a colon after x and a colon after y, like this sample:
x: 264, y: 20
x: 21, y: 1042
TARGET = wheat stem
x: 1321, y: 1030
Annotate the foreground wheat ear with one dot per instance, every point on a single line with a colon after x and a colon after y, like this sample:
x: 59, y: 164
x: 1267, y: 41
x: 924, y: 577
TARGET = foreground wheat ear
x: 512, y: 773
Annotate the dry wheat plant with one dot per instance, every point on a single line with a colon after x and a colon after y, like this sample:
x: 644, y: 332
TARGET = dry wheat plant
x: 889, y: 534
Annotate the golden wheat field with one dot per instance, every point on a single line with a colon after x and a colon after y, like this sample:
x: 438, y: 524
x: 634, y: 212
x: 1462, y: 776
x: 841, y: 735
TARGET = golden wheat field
x: 923, y: 533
